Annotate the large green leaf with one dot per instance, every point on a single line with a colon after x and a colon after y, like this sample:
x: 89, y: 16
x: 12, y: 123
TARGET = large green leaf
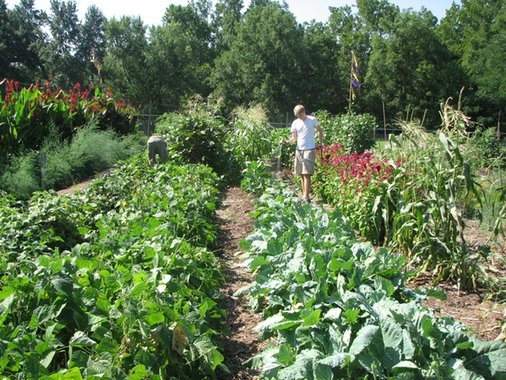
x: 365, y: 337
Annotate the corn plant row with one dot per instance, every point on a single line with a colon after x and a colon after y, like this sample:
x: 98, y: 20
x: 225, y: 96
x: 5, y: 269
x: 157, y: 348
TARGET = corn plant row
x: 336, y: 308
x: 115, y: 282
x: 410, y: 198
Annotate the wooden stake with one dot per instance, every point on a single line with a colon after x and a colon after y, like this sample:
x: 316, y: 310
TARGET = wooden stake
x: 384, y: 120
x: 43, y: 161
x: 499, y: 126
x: 424, y: 115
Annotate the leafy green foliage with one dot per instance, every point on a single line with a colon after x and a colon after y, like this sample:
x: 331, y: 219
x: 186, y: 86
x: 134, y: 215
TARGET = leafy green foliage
x: 335, y: 307
x: 354, y: 132
x: 26, y: 114
x: 248, y: 134
x: 262, y: 64
x: 485, y: 149
x: 90, y: 151
x: 116, y: 281
x: 256, y: 178
x: 198, y: 135
x: 22, y: 175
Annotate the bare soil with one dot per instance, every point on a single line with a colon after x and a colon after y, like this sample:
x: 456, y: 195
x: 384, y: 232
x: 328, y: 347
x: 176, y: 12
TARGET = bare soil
x: 482, y: 312
x: 482, y: 315
x: 239, y: 341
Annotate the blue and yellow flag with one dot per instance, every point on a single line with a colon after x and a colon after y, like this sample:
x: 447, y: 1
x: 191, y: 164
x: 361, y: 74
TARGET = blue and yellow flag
x: 355, y: 71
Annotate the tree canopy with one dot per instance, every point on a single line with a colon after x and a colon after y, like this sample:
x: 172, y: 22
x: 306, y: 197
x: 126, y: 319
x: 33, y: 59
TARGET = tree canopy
x: 406, y: 59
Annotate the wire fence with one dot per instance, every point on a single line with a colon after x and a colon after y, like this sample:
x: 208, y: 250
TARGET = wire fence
x: 147, y: 122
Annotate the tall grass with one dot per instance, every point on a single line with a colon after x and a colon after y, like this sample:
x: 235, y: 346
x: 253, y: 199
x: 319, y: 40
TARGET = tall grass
x: 22, y: 175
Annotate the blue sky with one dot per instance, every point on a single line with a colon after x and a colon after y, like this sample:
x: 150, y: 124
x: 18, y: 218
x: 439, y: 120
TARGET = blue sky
x: 151, y: 11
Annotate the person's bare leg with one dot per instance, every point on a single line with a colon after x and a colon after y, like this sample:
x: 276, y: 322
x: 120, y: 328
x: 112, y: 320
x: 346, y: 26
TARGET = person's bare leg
x: 306, y: 185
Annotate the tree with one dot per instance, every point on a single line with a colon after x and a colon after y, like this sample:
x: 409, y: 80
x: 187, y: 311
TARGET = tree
x: 322, y: 79
x: 474, y: 32
x: 225, y: 19
x: 125, y: 68
x: 63, y: 67
x: 179, y: 56
x: 378, y: 16
x: 489, y: 71
x: 5, y: 40
x: 351, y: 33
x: 92, y: 42
x: 410, y: 68
x: 27, y: 36
x: 263, y: 64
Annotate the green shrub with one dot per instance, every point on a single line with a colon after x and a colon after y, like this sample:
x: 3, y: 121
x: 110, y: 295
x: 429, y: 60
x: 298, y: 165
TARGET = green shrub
x: 90, y: 152
x: 22, y: 175
x: 485, y: 149
x: 197, y: 135
x: 133, y: 143
x: 354, y: 132
x: 58, y: 168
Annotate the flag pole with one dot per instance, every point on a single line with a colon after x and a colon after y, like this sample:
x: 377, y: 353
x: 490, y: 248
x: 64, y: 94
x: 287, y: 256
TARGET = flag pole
x: 351, y: 84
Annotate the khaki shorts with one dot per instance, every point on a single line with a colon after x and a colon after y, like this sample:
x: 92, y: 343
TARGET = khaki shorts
x: 304, y: 161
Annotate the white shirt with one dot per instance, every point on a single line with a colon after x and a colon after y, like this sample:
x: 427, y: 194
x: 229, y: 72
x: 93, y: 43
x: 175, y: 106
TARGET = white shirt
x: 305, y: 132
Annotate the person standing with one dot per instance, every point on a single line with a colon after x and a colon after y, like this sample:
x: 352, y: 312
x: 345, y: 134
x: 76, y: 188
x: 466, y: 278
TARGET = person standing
x: 303, y: 130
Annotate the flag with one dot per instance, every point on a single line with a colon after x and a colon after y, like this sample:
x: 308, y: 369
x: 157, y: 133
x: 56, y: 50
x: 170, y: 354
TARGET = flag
x: 355, y: 80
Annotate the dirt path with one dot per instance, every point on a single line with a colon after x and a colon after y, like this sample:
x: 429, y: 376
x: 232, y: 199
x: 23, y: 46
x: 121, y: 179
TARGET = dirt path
x: 83, y: 185
x: 240, y: 342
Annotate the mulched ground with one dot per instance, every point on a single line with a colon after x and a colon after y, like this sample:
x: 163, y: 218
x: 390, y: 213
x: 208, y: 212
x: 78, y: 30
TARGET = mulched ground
x: 239, y: 342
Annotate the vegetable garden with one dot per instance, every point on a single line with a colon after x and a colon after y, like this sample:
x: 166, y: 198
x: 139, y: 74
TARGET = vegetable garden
x: 121, y: 280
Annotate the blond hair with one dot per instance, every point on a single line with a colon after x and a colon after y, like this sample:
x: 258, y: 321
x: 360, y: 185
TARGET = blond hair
x: 299, y: 108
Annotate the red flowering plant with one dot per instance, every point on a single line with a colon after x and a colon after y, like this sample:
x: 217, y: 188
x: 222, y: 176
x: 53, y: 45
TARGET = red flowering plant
x: 358, y: 185
x: 26, y: 113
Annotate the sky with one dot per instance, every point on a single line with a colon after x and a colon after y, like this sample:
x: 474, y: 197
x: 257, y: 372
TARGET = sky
x: 151, y: 11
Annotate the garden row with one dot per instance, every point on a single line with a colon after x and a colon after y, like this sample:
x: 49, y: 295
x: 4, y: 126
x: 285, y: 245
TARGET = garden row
x: 116, y: 281
x: 335, y: 307
x: 414, y: 194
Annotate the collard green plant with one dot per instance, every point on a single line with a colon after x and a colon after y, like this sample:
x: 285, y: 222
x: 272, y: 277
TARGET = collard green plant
x: 336, y: 308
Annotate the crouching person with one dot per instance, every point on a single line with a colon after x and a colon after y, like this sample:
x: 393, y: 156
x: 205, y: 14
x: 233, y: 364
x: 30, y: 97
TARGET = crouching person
x: 157, y: 146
